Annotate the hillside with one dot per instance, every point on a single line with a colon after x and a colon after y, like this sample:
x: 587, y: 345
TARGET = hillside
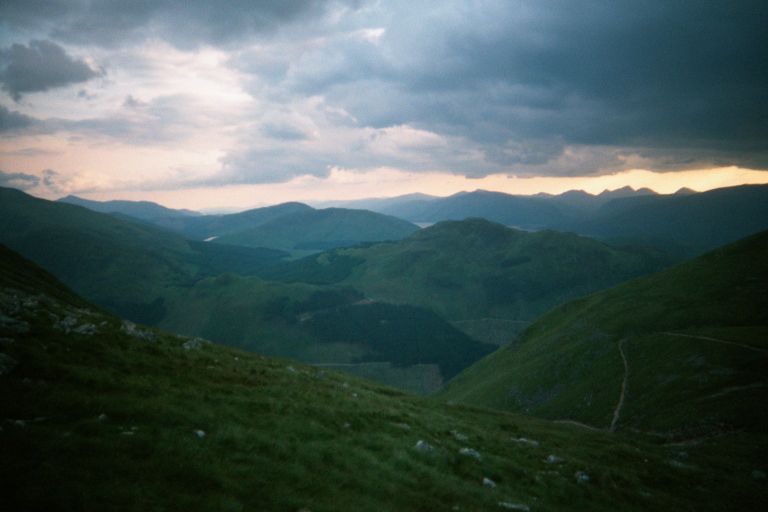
x: 101, y: 414
x: 144, y: 210
x: 318, y: 230
x: 150, y: 275
x: 124, y: 266
x: 682, y: 353
x: 474, y: 270
x: 687, y: 223
x: 214, y: 226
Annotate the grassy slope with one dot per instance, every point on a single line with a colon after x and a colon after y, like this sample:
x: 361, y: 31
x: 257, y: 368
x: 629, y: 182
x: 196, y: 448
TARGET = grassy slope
x: 125, y: 266
x: 568, y: 364
x: 206, y: 226
x: 154, y: 276
x: 474, y: 269
x: 109, y: 420
x: 322, y: 229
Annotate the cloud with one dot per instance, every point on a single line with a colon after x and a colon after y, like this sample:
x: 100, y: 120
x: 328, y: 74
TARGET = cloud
x: 184, y: 23
x: 528, y: 82
x: 527, y: 88
x: 41, y: 66
x: 19, y: 180
x: 11, y: 120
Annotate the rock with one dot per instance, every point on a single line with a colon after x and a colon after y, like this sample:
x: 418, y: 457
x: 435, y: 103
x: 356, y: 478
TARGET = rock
x: 347, y: 424
x: 470, y: 452
x: 403, y: 426
x: 758, y: 475
x: 12, y: 324
x: 423, y: 447
x: 489, y: 483
x: 7, y: 364
x: 200, y: 433
x: 102, y: 417
x: 459, y: 436
x: 86, y: 329
x: 523, y: 440
x: 354, y: 395
x: 514, y: 506
x: 127, y: 433
x: 194, y: 344
x: 131, y: 329
x: 581, y: 477
x: 554, y: 459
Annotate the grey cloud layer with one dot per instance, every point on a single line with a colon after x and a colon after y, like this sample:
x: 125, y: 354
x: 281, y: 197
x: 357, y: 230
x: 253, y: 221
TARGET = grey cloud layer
x: 185, y: 23
x: 41, y: 66
x: 530, y: 87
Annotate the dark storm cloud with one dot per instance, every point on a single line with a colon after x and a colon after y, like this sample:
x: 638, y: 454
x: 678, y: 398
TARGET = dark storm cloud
x: 41, y: 66
x: 10, y: 120
x: 184, y: 23
x: 665, y: 76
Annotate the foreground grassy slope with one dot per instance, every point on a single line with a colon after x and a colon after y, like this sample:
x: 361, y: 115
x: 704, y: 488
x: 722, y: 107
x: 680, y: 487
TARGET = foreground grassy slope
x: 475, y: 269
x: 688, y: 347
x: 99, y: 414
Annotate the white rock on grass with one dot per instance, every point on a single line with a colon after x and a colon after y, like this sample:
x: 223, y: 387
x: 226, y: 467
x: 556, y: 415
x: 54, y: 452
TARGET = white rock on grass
x: 581, y: 477
x: 423, y: 447
x: 200, y: 433
x: 526, y: 441
x: 195, y: 344
x: 459, y: 436
x: 488, y: 482
x: 553, y: 459
x: 514, y: 506
x: 470, y: 452
x: 131, y: 329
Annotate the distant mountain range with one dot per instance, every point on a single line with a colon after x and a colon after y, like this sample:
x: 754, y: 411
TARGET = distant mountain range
x: 686, y: 223
x: 144, y: 210
x: 293, y: 227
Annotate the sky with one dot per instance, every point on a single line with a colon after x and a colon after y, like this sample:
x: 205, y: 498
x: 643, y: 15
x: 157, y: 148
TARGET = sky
x: 205, y: 105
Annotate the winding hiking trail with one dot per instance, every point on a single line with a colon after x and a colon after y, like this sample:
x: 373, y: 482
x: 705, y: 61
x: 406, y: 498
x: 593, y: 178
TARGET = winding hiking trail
x: 707, y: 338
x: 620, y: 404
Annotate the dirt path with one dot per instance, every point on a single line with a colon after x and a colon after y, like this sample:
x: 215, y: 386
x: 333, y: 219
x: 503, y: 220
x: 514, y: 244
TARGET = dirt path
x: 620, y: 404
x: 707, y: 338
x: 579, y: 424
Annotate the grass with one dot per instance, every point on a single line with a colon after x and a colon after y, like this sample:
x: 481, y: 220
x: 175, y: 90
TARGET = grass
x: 109, y: 421
x: 681, y: 385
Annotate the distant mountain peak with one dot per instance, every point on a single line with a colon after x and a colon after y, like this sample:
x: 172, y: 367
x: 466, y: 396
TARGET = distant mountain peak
x: 685, y: 191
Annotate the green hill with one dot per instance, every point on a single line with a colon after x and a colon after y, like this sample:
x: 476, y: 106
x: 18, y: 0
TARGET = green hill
x: 144, y: 210
x: 214, y: 226
x: 472, y: 270
x: 150, y: 275
x: 682, y: 353
x: 317, y: 230
x: 100, y: 414
x: 124, y: 266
